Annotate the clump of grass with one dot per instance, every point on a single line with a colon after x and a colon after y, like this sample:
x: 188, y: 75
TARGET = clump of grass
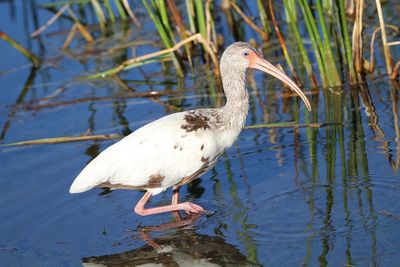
x: 340, y: 17
x: 102, y: 9
x: 158, y: 14
x: 293, y: 25
x: 322, y: 50
x: 326, y: 23
x: 323, y: 34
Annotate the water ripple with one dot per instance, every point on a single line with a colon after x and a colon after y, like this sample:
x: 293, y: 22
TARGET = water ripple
x: 328, y: 210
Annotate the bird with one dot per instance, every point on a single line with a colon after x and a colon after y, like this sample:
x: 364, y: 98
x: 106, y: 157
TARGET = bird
x: 180, y: 147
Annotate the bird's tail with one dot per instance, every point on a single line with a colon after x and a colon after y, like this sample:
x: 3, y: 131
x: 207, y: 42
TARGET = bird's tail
x: 91, y: 176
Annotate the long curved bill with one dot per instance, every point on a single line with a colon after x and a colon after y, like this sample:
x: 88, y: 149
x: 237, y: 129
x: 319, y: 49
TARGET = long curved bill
x: 265, y: 66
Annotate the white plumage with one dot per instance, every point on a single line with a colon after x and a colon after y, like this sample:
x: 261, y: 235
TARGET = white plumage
x: 180, y: 147
x: 161, y: 147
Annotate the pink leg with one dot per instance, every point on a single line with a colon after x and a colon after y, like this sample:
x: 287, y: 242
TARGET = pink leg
x: 174, y: 201
x: 175, y: 196
x: 186, y: 206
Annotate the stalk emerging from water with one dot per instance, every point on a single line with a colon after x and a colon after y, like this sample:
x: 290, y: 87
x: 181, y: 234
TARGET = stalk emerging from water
x: 386, y: 50
x: 35, y: 60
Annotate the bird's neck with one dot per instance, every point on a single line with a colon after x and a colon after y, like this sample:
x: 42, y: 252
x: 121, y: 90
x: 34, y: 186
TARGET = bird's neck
x: 234, y: 112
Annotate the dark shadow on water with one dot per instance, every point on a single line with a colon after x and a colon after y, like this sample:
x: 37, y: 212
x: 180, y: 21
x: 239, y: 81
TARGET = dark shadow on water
x: 184, y: 247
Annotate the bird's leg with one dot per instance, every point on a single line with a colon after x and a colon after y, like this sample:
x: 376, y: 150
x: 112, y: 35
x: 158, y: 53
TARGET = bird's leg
x: 175, y: 196
x: 174, y: 201
x: 186, y: 206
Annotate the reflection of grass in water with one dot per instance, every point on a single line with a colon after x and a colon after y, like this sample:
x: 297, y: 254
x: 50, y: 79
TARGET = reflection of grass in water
x: 241, y: 215
x: 355, y: 165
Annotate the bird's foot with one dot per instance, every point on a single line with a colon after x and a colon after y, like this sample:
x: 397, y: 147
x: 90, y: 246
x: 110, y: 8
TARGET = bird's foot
x: 192, y: 208
x: 188, y: 207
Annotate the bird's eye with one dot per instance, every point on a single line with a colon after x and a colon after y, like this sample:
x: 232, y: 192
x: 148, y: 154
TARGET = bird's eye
x: 245, y: 53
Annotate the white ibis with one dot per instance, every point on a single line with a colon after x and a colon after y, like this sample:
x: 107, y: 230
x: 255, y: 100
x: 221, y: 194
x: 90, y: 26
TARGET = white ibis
x: 178, y: 148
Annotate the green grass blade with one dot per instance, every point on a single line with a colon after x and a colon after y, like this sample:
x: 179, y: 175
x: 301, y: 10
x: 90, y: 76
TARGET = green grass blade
x: 120, y: 9
x: 109, y: 10
x: 293, y: 24
x: 162, y: 9
x: 290, y: 5
x: 330, y: 63
x: 314, y: 36
x: 191, y: 15
x: 201, y: 21
x: 164, y: 37
x: 345, y: 34
x: 99, y: 13
x: 263, y: 16
x: 63, y: 3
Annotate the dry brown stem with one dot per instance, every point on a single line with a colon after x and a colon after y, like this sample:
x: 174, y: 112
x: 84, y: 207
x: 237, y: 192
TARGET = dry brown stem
x: 371, y: 65
x: 130, y: 13
x: 64, y: 139
x: 357, y: 44
x: 386, y: 51
x: 50, y: 21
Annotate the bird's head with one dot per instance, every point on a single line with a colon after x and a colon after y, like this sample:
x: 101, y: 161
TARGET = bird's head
x: 241, y: 55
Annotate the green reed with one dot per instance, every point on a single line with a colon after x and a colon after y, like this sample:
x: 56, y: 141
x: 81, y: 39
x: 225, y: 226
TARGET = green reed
x: 329, y: 74
x: 104, y: 10
x: 328, y: 29
x: 263, y: 17
x: 121, y: 10
x: 109, y: 10
x: 293, y: 24
x: 99, y: 13
x: 157, y: 13
x: 340, y: 17
x: 330, y: 63
x: 201, y: 21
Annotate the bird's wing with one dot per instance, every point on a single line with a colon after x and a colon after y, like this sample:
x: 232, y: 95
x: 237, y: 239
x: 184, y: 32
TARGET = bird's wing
x: 158, y: 155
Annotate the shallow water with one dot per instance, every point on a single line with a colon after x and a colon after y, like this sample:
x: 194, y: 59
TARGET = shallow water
x: 293, y: 196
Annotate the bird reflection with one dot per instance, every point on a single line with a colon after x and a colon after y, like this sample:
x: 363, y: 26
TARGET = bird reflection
x: 182, y: 248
